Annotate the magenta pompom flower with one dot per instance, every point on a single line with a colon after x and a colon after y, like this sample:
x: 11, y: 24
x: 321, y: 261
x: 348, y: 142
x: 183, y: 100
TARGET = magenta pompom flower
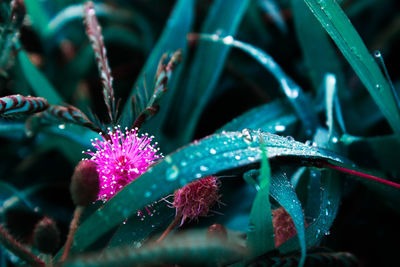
x: 121, y: 158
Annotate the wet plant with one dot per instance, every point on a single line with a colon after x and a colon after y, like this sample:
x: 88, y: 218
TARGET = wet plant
x: 181, y: 133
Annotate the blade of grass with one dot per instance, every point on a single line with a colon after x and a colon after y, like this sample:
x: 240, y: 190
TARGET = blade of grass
x: 208, y: 62
x: 339, y: 27
x: 298, y: 100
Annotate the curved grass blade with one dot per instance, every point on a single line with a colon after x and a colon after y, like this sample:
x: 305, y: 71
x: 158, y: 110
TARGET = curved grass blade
x: 338, y: 26
x: 208, y: 62
x: 318, y: 52
x: 40, y: 19
x: 283, y: 192
x: 172, y: 39
x: 274, y: 117
x: 76, y: 12
x: 13, y: 105
x: 211, y: 155
x: 189, y: 248
x: 260, y: 234
x: 293, y: 92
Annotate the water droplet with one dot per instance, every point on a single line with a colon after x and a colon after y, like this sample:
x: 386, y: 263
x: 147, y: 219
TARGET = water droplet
x: 251, y: 228
x: 213, y: 151
x: 168, y: 159
x: 228, y: 40
x: 147, y: 194
x: 280, y: 128
x: 237, y: 157
x: 183, y: 163
x: 61, y: 126
x: 203, y: 168
x: 172, y: 173
x: 335, y: 140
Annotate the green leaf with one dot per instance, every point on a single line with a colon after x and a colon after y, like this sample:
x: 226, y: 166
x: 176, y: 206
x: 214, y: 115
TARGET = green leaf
x: 133, y: 231
x: 298, y: 100
x: 339, y: 27
x: 37, y: 14
x: 283, y: 192
x: 189, y: 248
x: 211, y: 155
x: 172, y: 39
x: 318, y: 52
x: 39, y: 83
x: 274, y: 117
x: 209, y: 61
x: 260, y: 234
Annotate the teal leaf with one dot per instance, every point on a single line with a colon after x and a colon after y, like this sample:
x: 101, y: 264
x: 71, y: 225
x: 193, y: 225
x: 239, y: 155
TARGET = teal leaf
x: 172, y: 39
x: 211, y: 155
x: 38, y: 82
x: 339, y: 27
x: 260, y: 234
x: 209, y: 61
x: 298, y: 100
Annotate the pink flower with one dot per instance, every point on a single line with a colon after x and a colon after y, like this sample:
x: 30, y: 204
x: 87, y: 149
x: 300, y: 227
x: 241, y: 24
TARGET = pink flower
x: 195, y: 199
x: 121, y: 158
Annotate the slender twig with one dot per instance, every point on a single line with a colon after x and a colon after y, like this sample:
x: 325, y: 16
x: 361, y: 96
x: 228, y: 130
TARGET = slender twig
x: 360, y: 174
x: 163, y: 74
x: 171, y: 227
x: 72, y: 229
x: 9, y: 242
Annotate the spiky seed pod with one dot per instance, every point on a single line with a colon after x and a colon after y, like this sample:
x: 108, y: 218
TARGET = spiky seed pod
x: 217, y: 231
x: 84, y: 183
x: 196, y: 199
x: 284, y: 227
x: 46, y: 235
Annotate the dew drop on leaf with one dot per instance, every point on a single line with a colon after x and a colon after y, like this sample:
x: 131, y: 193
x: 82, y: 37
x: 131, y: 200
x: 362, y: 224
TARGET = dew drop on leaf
x: 172, y: 173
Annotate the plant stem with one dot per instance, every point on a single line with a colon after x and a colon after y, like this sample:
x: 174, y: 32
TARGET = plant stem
x: 171, y: 227
x: 9, y: 242
x: 72, y: 229
x: 361, y: 174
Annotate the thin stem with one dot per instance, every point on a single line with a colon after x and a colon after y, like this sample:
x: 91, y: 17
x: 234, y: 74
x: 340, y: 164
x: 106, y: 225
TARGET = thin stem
x: 9, y: 242
x: 171, y: 227
x: 360, y: 174
x: 72, y: 229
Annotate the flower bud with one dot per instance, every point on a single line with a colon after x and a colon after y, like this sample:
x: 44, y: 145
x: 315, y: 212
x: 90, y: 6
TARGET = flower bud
x: 84, y: 183
x: 46, y: 236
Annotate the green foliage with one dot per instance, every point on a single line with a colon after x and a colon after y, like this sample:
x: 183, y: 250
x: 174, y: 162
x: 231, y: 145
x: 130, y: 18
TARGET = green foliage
x: 282, y: 120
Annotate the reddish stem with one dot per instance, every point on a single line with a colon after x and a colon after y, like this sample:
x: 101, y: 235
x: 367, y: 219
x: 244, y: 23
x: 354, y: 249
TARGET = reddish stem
x: 171, y: 227
x: 361, y: 174
x: 72, y: 229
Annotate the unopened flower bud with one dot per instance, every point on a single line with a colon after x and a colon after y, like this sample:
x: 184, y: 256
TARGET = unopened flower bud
x: 84, y: 183
x: 46, y: 236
